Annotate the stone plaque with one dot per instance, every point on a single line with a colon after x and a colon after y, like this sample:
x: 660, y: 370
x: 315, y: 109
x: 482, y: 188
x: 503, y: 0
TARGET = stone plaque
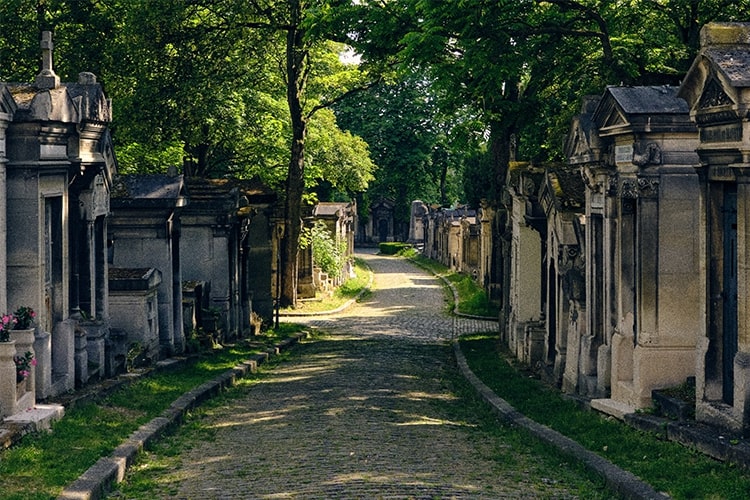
x: 53, y: 151
x: 722, y: 133
x: 721, y: 173
x: 624, y: 154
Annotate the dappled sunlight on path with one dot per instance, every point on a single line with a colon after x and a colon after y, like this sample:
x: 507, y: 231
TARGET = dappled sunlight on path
x: 363, y: 410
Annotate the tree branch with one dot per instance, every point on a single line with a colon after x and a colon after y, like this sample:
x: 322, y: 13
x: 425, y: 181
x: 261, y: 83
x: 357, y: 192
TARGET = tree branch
x: 343, y: 96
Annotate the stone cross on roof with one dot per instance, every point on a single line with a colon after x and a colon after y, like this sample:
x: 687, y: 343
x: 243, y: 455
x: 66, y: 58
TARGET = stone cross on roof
x: 47, y: 79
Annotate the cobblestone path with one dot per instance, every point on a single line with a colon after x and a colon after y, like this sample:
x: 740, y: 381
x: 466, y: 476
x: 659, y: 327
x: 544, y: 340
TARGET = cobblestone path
x: 367, y: 411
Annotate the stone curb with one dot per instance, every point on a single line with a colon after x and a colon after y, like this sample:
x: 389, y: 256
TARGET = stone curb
x: 619, y: 480
x: 98, y: 480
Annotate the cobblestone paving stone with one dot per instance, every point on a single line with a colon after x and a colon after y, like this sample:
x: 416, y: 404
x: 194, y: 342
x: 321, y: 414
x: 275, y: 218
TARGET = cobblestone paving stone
x: 361, y: 413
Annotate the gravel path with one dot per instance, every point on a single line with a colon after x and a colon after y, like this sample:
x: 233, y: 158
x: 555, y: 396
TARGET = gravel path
x: 368, y: 411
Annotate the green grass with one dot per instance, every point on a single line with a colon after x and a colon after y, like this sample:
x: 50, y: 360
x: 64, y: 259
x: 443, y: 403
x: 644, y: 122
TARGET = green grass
x: 42, y: 464
x: 472, y: 299
x: 393, y: 247
x: 347, y: 291
x: 667, y: 466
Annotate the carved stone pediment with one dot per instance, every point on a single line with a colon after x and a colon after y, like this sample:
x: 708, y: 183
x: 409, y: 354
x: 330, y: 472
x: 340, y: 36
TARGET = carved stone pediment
x: 615, y: 118
x: 7, y: 103
x: 713, y: 95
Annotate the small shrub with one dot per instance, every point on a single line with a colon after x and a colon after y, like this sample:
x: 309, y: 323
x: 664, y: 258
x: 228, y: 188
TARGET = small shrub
x: 392, y: 247
x: 328, y: 254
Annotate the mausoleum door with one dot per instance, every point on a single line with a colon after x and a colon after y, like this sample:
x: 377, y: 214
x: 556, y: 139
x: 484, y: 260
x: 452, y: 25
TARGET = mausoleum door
x: 729, y: 311
x: 53, y: 262
x: 383, y: 229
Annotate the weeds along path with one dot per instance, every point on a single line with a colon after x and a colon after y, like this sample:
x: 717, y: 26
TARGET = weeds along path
x: 372, y: 408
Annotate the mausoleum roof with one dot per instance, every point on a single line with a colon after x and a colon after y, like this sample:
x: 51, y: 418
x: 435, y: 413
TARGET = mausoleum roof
x: 329, y: 208
x: 567, y: 187
x: 151, y: 189
x: 649, y: 99
x: 734, y: 64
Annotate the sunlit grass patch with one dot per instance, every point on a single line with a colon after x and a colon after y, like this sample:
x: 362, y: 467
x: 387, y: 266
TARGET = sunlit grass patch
x: 347, y: 291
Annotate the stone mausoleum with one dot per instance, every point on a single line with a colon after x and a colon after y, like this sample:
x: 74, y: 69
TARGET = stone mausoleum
x: 56, y: 168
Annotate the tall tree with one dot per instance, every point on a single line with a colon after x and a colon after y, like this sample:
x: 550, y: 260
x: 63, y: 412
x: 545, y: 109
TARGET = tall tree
x: 297, y: 21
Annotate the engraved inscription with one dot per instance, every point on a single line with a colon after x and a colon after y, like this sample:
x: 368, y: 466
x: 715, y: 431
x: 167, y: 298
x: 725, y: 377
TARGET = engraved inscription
x: 624, y: 154
x: 722, y: 133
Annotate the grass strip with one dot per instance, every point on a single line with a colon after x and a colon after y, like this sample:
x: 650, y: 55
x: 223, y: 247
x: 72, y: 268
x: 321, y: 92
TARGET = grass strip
x: 42, y: 464
x: 667, y: 466
x: 472, y: 299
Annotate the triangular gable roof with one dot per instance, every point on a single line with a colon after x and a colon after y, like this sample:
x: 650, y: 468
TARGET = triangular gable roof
x: 330, y: 208
x: 385, y: 203
x: 8, y: 105
x: 721, y: 68
x: 639, y: 108
x: 582, y: 140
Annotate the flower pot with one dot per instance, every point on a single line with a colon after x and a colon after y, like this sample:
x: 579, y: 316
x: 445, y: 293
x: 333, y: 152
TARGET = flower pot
x: 7, y: 378
x: 24, y: 339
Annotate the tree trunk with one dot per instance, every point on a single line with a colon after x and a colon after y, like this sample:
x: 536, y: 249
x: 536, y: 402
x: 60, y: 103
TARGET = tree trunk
x: 296, y: 76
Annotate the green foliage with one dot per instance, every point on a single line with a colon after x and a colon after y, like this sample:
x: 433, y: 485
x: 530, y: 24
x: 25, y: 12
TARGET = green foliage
x: 336, y: 158
x: 472, y: 299
x: 419, y: 150
x: 328, y: 254
x: 392, y: 247
x: 135, y: 158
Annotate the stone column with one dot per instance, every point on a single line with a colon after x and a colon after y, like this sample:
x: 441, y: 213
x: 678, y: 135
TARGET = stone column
x: 3, y: 216
x: 742, y: 358
x: 3, y: 235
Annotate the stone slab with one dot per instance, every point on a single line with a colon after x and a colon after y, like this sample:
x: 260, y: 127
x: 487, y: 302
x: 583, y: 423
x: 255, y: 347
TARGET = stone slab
x: 40, y: 417
x: 612, y: 407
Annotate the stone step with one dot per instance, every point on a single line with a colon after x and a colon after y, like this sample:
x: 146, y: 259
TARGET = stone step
x: 38, y: 418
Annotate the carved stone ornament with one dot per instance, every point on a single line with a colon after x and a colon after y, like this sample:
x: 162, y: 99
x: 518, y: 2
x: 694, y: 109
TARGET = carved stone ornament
x: 648, y: 187
x: 650, y: 155
x: 629, y: 189
x: 612, y: 188
x: 713, y: 95
x: 589, y: 179
x: 570, y: 258
x: 94, y: 202
x: 528, y: 187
